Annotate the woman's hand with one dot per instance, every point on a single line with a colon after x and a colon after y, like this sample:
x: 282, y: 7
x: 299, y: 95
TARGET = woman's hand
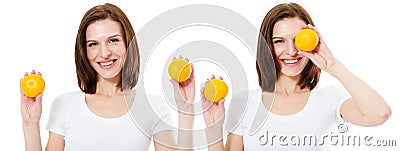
x: 213, y: 112
x: 321, y: 56
x: 31, y: 107
x: 185, y: 91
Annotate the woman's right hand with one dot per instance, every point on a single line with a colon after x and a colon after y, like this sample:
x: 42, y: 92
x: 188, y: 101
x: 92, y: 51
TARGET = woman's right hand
x: 31, y: 107
x: 213, y: 112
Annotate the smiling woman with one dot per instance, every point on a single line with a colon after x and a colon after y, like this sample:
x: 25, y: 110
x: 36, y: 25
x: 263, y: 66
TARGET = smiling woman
x: 106, y: 49
x: 289, y: 101
x: 290, y: 63
x: 99, y: 117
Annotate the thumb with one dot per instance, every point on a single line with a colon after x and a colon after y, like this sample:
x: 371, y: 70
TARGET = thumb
x: 38, y: 99
x: 307, y: 54
x: 174, y: 83
x: 221, y: 102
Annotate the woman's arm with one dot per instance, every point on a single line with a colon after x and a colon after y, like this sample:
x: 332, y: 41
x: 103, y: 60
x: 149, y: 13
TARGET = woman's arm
x: 56, y: 142
x: 366, y: 107
x: 184, y: 93
x: 164, y: 141
x: 214, y: 134
x: 31, y: 111
x: 31, y: 128
x: 32, y: 136
x: 234, y: 143
x: 214, y: 117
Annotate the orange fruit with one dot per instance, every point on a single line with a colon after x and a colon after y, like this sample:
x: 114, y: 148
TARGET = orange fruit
x: 179, y: 70
x: 32, y: 85
x: 215, y: 90
x: 306, y: 39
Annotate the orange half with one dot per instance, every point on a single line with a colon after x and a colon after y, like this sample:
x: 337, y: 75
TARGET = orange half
x: 179, y: 70
x: 215, y: 90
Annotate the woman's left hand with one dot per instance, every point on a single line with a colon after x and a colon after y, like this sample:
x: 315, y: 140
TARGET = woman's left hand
x: 321, y: 56
x: 185, y: 91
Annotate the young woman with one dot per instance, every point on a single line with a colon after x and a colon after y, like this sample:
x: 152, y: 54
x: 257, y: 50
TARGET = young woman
x: 289, y: 105
x: 108, y: 113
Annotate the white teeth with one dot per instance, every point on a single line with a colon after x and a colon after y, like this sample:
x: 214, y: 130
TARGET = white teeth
x: 106, y: 63
x: 290, y: 61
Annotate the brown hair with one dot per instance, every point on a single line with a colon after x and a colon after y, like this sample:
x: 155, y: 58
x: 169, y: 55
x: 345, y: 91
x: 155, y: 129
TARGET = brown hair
x: 87, y: 76
x: 265, y: 65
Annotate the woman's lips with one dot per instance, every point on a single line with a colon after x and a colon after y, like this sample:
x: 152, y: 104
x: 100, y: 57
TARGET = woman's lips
x: 107, y: 64
x: 291, y: 61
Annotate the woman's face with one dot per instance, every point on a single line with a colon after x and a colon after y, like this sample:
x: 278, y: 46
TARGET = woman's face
x: 283, y: 37
x: 106, y: 47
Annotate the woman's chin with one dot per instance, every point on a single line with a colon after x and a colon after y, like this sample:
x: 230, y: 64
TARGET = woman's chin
x: 108, y: 75
x: 291, y: 73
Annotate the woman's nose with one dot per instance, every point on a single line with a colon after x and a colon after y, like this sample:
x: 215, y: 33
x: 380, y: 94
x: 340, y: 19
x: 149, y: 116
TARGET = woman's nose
x: 105, y: 51
x: 292, y: 50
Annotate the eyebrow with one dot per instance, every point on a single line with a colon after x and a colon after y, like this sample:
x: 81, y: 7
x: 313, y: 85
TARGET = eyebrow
x: 277, y: 37
x: 112, y: 36
x: 116, y: 35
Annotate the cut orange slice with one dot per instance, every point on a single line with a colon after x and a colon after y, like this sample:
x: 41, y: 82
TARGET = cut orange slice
x: 179, y: 70
x: 215, y: 90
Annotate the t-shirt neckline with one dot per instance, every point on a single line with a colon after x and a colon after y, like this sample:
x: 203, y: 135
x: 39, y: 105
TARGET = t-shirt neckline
x: 299, y: 113
x: 87, y: 110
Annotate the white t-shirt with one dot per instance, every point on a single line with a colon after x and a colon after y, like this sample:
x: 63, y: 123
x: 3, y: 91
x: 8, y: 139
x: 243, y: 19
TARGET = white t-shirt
x: 309, y: 129
x: 83, y: 130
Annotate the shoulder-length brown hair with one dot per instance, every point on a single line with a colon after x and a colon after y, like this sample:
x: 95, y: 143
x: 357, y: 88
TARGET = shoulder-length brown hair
x: 87, y: 76
x: 266, y: 65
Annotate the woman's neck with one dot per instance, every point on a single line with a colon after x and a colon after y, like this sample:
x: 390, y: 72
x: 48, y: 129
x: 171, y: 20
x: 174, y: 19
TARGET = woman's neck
x: 108, y: 87
x: 288, y: 85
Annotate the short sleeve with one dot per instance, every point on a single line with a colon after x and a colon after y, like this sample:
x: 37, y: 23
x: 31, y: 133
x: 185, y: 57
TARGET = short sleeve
x: 164, y: 122
x: 55, y: 123
x: 342, y: 95
x: 163, y: 115
x: 236, y: 115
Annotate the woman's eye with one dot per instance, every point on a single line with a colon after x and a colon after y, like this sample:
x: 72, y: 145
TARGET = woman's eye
x: 92, y: 44
x: 278, y: 41
x: 114, y: 40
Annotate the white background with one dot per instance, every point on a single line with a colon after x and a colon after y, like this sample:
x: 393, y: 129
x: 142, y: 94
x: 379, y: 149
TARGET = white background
x: 41, y: 36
